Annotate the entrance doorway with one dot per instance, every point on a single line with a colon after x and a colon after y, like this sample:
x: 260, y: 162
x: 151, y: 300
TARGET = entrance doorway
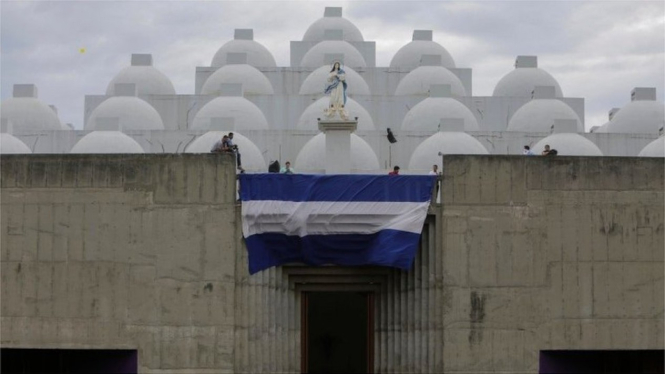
x: 337, y: 332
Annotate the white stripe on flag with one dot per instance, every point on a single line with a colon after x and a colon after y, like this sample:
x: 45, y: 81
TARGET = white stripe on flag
x: 331, y: 217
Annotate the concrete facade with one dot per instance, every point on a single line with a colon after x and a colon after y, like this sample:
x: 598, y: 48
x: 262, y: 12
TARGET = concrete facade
x: 145, y: 252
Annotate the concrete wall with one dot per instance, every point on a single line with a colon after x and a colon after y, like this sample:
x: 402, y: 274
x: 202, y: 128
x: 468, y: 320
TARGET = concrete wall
x: 132, y: 252
x: 549, y: 253
x: 145, y: 252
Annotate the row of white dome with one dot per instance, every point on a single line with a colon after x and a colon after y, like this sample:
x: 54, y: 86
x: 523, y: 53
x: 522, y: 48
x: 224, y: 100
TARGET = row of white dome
x: 517, y: 83
x: 450, y: 140
x: 333, y: 33
x: 641, y: 115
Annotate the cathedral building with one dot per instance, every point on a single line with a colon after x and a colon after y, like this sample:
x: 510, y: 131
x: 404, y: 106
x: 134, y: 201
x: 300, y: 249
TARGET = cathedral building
x: 124, y: 246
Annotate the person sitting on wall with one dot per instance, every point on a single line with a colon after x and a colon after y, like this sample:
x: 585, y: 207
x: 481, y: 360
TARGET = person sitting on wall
x: 223, y: 146
x: 395, y: 171
x: 287, y: 168
x: 527, y: 151
x: 549, y: 151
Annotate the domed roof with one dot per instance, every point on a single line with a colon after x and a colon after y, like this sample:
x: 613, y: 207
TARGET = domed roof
x: 107, y: 142
x: 9, y: 144
x: 29, y: 114
x: 600, y: 129
x: 313, y: 155
x: 427, y: 114
x: 246, y: 115
x: 315, y: 57
x: 252, y: 158
x: 446, y: 142
x: 252, y: 80
x: 538, y: 115
x: 257, y: 55
x: 522, y: 81
x: 654, y: 149
x: 317, y: 80
x: 148, y: 80
x: 418, y: 81
x: 568, y: 144
x: 638, y: 117
x: 308, y: 119
x: 134, y: 113
x: 410, y: 55
x: 315, y: 32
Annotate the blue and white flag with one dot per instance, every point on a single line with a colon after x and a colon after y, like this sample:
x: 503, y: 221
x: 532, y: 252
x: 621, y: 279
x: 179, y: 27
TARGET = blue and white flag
x: 333, y: 219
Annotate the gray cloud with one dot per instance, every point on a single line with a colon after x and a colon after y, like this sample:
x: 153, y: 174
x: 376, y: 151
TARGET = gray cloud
x: 597, y: 50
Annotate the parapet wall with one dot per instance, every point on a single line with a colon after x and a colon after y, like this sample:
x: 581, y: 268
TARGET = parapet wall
x: 121, y: 251
x: 556, y: 253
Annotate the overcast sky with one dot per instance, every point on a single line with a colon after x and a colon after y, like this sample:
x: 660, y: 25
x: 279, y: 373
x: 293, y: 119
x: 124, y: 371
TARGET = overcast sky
x: 597, y: 50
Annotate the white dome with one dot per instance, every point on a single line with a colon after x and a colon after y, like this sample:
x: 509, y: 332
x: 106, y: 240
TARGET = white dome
x: 427, y: 114
x: 446, y: 142
x: 9, y: 144
x: 315, y: 82
x: 148, y: 80
x: 654, y: 149
x: 308, y: 119
x: 252, y: 80
x: 29, y: 114
x: 601, y: 129
x: 409, y: 55
x: 315, y: 32
x: 257, y: 55
x: 521, y: 83
x: 252, y: 158
x: 313, y: 155
x: 638, y: 117
x: 246, y: 115
x: 538, y: 115
x: 568, y: 144
x: 107, y: 142
x: 314, y: 58
x: 418, y: 81
x: 134, y: 113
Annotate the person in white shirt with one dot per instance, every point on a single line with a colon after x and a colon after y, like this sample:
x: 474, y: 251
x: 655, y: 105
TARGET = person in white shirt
x: 527, y: 151
x: 287, y: 168
x: 435, y: 170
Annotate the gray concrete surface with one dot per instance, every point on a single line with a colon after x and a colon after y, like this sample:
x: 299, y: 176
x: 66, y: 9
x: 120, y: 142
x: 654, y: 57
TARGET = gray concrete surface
x: 145, y: 252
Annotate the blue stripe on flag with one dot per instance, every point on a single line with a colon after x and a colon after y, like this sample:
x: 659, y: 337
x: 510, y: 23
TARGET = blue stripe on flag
x: 304, y: 187
x: 385, y: 248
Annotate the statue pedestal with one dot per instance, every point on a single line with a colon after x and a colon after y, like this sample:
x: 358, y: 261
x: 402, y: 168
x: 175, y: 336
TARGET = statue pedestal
x: 338, y: 145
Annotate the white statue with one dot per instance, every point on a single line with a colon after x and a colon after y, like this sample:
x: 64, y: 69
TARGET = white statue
x: 337, y: 90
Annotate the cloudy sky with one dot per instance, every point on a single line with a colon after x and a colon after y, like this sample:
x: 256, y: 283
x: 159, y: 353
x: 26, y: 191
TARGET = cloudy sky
x: 598, y: 50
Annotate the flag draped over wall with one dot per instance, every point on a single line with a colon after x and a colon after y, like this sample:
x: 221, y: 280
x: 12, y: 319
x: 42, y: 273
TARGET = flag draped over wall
x: 333, y: 219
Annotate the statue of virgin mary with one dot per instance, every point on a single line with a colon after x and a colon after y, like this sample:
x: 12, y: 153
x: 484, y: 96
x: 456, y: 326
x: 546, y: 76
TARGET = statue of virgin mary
x: 336, y: 88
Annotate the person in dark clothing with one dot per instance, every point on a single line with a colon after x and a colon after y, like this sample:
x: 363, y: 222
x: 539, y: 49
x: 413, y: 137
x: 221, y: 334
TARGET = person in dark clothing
x: 274, y: 167
x: 549, y: 151
x: 226, y: 145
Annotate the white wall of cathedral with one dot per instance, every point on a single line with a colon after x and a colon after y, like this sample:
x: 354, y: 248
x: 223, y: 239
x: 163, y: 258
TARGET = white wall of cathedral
x: 382, y: 81
x: 285, y: 145
x: 284, y: 111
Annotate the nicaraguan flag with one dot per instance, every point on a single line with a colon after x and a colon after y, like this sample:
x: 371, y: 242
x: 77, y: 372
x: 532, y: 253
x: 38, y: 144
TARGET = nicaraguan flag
x: 333, y: 219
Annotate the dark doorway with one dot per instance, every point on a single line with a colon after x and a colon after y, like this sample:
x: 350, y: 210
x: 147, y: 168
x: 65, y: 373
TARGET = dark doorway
x: 337, y: 332
x: 24, y: 361
x: 601, y: 362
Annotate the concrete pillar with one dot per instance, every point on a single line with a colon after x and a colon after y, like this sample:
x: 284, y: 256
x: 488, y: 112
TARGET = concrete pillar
x: 338, y: 145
